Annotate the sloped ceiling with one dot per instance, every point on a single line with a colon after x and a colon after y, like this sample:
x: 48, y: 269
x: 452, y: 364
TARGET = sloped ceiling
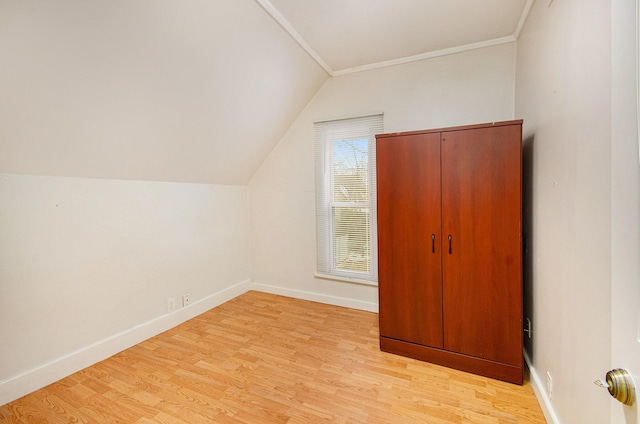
x: 198, y: 90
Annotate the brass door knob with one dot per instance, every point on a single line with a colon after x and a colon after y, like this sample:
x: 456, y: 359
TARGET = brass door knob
x: 620, y: 385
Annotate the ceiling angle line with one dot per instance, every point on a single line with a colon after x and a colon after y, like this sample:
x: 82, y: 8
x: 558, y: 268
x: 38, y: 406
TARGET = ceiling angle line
x: 428, y: 55
x: 271, y: 10
x: 523, y: 18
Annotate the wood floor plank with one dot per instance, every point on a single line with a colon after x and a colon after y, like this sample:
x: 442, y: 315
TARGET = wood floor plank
x: 262, y: 358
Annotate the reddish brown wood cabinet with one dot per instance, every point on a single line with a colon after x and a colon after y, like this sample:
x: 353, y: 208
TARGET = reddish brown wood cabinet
x: 449, y: 247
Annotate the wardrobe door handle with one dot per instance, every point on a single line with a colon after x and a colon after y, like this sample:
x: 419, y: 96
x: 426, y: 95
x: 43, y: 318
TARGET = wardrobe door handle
x: 449, y: 243
x: 433, y: 243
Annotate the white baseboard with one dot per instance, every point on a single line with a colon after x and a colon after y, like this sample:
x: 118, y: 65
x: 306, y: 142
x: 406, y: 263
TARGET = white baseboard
x: 39, y: 377
x: 541, y: 393
x: 34, y: 379
x: 316, y: 297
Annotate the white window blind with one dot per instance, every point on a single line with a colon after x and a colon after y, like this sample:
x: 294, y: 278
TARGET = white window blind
x: 346, y: 197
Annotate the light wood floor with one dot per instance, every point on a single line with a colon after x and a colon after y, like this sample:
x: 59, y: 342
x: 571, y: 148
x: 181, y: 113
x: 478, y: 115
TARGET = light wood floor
x: 262, y: 358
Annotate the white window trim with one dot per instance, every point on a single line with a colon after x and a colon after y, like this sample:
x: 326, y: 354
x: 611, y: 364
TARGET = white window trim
x: 345, y: 279
x: 326, y: 133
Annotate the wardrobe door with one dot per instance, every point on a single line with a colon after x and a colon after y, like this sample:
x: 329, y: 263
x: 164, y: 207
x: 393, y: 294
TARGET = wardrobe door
x: 482, y: 265
x: 409, y: 255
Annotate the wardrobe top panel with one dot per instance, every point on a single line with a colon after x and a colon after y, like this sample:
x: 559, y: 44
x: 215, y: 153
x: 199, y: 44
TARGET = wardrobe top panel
x: 464, y: 127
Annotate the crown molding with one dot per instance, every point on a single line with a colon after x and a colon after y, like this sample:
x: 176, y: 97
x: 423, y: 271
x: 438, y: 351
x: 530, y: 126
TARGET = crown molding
x: 427, y: 55
x: 523, y: 18
x: 271, y: 10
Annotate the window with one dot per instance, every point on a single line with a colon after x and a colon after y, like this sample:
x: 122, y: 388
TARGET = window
x: 346, y: 198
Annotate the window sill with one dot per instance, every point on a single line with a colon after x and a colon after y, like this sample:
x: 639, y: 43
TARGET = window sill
x: 345, y: 279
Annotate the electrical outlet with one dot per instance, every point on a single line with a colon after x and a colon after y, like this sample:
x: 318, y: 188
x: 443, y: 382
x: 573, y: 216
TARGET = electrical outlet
x: 185, y: 300
x: 171, y: 305
x: 549, y: 385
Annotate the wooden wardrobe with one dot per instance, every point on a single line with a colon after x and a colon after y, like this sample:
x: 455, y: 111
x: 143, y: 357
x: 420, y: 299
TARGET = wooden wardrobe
x: 450, y: 249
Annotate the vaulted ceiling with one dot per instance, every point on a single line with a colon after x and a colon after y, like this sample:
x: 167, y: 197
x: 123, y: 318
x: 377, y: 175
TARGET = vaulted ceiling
x: 199, y: 90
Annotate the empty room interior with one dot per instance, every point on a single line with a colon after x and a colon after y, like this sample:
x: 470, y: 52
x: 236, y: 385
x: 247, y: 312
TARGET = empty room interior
x: 176, y: 178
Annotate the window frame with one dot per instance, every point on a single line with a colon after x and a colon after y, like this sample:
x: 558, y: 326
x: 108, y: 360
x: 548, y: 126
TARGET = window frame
x: 327, y: 133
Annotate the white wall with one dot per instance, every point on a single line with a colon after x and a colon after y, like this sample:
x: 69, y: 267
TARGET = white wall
x: 563, y: 93
x: 87, y: 265
x: 465, y: 88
